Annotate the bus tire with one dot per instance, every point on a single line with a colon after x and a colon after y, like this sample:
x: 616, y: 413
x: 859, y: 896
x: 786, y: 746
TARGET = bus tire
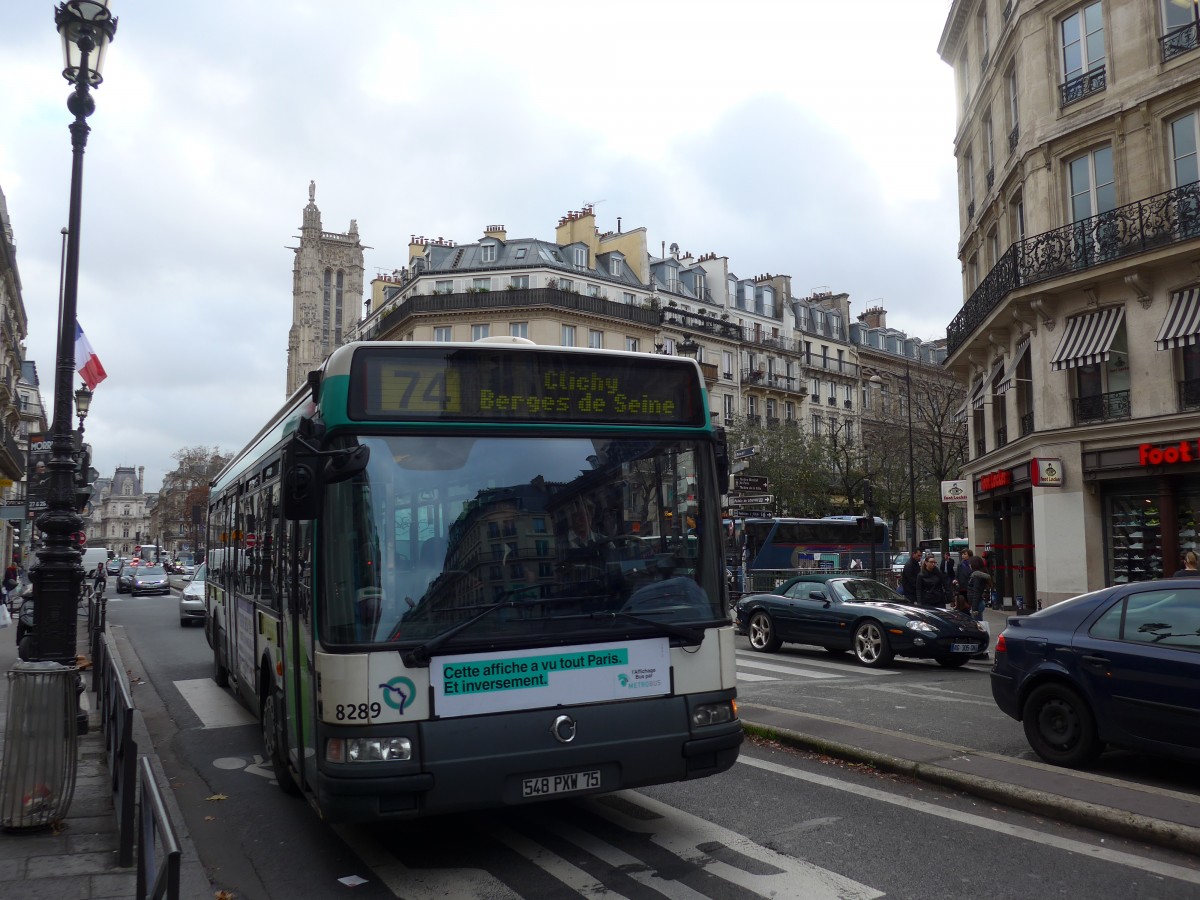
x: 220, y: 674
x: 272, y: 745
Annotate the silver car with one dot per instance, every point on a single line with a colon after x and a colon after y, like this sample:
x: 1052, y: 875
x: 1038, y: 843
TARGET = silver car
x: 191, y: 601
x: 150, y: 580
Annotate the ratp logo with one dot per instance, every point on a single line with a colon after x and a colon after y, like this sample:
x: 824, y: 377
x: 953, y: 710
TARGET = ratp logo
x: 623, y: 679
x: 399, y: 693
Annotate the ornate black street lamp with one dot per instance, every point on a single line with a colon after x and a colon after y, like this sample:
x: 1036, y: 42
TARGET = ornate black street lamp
x: 86, y: 27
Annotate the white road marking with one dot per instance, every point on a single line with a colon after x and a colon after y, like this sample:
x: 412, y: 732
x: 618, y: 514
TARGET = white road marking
x: 215, y: 706
x: 790, y: 670
x: 846, y: 670
x: 746, y: 676
x: 1044, y: 838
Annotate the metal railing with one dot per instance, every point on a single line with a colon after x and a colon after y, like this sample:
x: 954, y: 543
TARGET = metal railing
x: 1180, y: 41
x: 1027, y: 423
x: 116, y: 721
x: 159, y: 854
x: 1101, y: 407
x: 1081, y: 86
x: 1144, y: 225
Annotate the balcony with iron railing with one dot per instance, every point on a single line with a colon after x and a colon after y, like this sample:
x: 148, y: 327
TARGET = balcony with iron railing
x: 980, y: 447
x: 1001, y: 437
x: 1189, y: 394
x: 679, y: 318
x: 1081, y: 86
x: 1171, y: 217
x: 1110, y: 407
x: 1013, y: 137
x: 1027, y: 423
x: 1180, y: 41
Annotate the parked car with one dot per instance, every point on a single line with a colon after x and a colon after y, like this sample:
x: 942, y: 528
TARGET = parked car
x: 150, y: 580
x: 191, y: 600
x: 1117, y: 666
x: 858, y: 614
x: 114, y: 566
x: 125, y: 579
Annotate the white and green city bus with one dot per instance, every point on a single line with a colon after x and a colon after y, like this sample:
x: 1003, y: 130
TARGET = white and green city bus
x: 451, y: 576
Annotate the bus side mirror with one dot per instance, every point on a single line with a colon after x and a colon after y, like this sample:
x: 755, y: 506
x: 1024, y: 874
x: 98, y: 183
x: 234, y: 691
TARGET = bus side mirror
x: 722, y: 461
x: 346, y: 464
x: 301, y: 485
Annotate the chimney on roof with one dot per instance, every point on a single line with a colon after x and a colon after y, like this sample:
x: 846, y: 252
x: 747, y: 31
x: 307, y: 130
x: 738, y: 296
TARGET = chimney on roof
x: 496, y: 231
x: 874, y: 317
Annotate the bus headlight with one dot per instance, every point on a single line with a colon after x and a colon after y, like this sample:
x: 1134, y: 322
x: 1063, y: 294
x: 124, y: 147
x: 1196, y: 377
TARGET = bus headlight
x: 383, y: 749
x: 714, y: 713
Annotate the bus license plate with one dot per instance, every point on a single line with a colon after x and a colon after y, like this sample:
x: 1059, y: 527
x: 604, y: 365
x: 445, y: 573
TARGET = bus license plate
x: 964, y: 648
x: 561, y: 784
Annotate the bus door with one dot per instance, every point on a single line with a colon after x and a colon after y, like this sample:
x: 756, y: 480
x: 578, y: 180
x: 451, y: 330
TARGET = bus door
x: 299, y: 654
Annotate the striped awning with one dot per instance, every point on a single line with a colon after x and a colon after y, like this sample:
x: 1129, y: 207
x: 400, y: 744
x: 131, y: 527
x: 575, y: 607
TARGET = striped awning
x: 977, y: 394
x: 1010, y: 374
x: 1182, y: 324
x: 1088, y: 338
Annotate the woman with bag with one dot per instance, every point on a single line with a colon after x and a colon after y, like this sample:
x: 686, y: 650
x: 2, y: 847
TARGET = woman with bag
x: 931, y: 586
x: 979, y: 588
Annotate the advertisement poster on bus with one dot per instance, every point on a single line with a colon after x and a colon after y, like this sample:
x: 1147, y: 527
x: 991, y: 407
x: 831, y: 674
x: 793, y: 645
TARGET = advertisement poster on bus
x: 474, y: 683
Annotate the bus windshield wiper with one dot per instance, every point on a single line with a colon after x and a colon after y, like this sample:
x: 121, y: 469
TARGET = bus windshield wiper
x: 688, y: 635
x: 420, y: 655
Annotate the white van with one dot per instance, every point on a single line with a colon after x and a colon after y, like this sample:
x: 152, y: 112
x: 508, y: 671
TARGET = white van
x: 93, y: 556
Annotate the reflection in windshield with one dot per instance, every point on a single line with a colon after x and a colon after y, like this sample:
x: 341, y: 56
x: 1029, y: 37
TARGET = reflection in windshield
x: 864, y: 589
x: 562, y: 531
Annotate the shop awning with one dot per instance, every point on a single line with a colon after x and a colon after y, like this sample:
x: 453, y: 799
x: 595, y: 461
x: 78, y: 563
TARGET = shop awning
x: 1088, y: 338
x: 1010, y: 374
x: 977, y: 394
x: 1182, y: 324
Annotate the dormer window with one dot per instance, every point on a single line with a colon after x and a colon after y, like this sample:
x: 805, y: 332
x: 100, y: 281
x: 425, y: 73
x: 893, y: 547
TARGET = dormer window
x: 487, y: 253
x: 615, y: 267
x: 581, y: 257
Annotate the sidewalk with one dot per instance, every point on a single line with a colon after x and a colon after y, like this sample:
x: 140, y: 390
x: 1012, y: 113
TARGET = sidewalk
x: 78, y: 860
x: 1154, y: 815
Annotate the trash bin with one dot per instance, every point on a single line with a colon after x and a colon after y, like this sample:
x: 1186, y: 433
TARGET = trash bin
x: 37, y: 773
x: 1020, y: 603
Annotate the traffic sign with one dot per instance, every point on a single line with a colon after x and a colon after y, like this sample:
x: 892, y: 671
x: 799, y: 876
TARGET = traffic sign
x: 251, y: 541
x: 751, y: 499
x: 748, y: 512
x: 745, y: 452
x: 750, y: 483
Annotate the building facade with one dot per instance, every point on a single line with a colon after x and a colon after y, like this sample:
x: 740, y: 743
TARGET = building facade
x: 122, y: 511
x: 327, y: 289
x: 13, y: 329
x: 1078, y: 337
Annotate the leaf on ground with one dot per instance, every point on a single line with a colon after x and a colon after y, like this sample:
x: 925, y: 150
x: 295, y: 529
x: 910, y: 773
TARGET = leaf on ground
x: 217, y: 797
x: 210, y: 818
x: 224, y: 895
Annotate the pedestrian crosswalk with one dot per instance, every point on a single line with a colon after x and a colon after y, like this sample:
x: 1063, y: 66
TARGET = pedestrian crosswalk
x: 783, y: 667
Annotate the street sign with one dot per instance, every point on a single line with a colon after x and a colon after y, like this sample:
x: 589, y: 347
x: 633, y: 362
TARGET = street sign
x: 739, y: 512
x: 734, y: 468
x: 751, y: 499
x: 750, y: 483
x: 251, y: 541
x: 745, y: 452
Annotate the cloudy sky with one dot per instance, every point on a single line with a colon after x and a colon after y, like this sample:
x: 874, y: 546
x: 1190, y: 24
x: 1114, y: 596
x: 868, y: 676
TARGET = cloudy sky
x: 789, y: 136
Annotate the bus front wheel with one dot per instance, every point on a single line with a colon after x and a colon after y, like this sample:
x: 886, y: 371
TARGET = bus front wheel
x: 272, y: 745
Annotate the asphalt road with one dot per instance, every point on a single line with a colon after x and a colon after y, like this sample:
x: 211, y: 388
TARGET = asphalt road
x: 780, y: 823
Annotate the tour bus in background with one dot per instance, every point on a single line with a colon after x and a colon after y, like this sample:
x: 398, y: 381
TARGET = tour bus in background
x: 147, y: 553
x: 837, y: 543
x: 451, y: 576
x: 934, y: 546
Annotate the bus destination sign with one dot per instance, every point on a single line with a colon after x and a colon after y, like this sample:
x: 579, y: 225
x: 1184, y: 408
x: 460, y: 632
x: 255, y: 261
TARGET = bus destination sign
x: 516, y: 385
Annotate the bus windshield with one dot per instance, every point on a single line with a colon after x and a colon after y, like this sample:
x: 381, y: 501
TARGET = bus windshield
x: 544, y: 539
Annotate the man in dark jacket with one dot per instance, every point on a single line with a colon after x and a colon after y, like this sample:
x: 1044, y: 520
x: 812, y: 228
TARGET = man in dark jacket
x: 908, y: 575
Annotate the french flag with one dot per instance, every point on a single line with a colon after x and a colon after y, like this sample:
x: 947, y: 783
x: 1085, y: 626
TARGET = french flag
x: 87, y: 364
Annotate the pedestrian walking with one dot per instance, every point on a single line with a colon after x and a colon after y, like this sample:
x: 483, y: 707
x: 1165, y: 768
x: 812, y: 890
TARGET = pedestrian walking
x: 962, y: 575
x: 979, y: 588
x: 1191, y: 566
x: 908, y: 576
x: 931, y: 586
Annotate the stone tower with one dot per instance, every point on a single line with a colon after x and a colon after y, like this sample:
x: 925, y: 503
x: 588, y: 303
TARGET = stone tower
x: 327, y: 291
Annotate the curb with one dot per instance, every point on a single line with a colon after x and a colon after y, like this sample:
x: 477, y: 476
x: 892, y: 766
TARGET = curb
x: 1170, y: 835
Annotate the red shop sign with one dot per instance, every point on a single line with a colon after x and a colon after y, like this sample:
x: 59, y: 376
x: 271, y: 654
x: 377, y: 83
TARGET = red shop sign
x: 998, y: 479
x: 1183, y: 452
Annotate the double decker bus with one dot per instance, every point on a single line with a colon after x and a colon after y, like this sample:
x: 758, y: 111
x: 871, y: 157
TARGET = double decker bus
x: 451, y: 576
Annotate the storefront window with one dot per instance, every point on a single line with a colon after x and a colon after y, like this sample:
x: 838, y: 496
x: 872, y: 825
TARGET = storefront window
x: 1135, y: 543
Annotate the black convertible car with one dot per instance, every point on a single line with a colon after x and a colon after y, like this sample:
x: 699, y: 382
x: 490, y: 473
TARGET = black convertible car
x: 858, y: 614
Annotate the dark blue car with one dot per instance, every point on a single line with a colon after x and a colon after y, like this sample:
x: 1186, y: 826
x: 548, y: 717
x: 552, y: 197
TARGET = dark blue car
x: 1119, y: 666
